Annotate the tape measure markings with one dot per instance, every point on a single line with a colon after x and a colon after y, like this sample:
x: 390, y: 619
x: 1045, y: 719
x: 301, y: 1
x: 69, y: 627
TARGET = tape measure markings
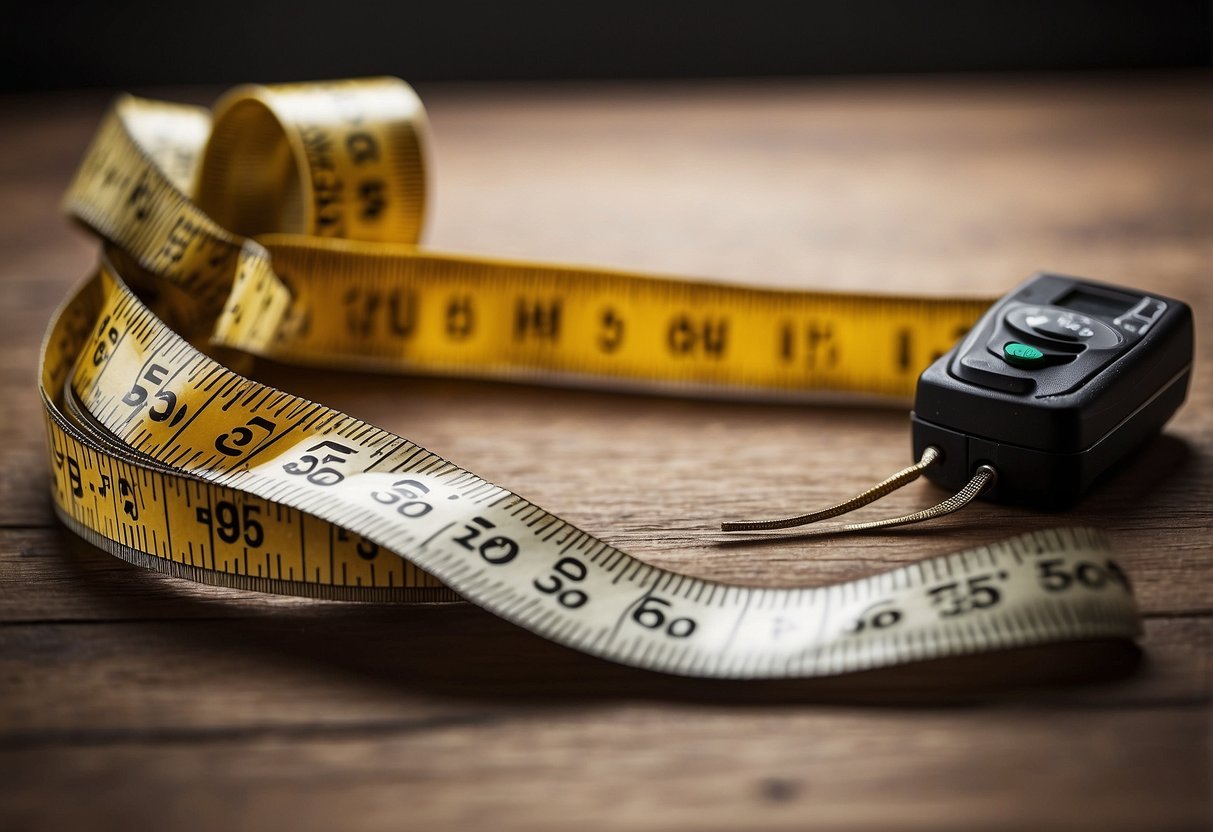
x: 195, y: 470
x: 627, y: 327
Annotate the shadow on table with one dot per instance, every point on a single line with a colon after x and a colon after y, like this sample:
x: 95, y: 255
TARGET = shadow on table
x: 458, y: 650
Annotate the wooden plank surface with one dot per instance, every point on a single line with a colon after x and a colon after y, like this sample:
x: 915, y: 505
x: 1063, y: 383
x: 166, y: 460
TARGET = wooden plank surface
x: 130, y: 699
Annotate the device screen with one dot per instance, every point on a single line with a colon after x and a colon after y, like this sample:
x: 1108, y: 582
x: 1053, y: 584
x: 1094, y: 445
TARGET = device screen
x: 1105, y: 305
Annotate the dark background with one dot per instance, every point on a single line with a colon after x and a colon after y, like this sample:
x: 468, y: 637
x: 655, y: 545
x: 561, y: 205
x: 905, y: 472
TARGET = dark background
x: 59, y: 44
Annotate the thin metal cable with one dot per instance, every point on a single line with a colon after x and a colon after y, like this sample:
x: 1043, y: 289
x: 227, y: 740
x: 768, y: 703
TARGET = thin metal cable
x: 902, y: 477
x: 983, y: 478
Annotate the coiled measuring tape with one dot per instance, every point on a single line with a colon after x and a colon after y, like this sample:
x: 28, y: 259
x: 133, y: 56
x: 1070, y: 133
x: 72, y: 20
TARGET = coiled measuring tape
x: 286, y: 227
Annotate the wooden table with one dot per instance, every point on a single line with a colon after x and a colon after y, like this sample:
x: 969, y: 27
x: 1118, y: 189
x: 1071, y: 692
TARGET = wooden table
x: 132, y: 700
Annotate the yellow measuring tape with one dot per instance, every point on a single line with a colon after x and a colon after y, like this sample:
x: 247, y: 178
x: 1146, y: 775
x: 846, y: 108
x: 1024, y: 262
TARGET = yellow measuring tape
x: 286, y: 227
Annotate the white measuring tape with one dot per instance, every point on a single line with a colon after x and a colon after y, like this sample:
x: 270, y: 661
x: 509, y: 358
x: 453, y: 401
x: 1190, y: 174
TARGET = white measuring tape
x: 167, y: 458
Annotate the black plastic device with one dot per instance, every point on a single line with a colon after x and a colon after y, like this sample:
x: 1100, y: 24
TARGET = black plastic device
x: 1057, y: 382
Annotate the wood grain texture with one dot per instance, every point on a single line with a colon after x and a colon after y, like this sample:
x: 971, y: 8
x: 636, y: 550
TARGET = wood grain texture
x: 130, y: 699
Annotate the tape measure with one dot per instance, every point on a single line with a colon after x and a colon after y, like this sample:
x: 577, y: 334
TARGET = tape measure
x: 286, y: 227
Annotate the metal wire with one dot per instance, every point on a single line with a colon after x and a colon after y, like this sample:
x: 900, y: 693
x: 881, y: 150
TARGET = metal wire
x: 902, y: 477
x: 983, y: 478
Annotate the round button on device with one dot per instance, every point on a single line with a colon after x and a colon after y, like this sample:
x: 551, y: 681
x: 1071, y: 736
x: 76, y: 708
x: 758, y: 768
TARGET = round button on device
x: 1023, y: 355
x: 1063, y: 326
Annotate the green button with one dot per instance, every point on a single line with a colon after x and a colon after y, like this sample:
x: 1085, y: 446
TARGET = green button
x: 1023, y: 355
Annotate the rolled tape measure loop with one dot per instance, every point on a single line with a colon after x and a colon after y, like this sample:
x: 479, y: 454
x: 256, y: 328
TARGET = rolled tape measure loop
x: 341, y: 159
x: 171, y: 460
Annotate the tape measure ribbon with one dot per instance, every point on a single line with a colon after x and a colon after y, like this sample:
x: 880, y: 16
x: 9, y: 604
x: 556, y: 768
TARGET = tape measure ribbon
x: 169, y: 459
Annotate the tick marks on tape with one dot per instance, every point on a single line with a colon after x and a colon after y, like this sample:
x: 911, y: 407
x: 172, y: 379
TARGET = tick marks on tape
x: 168, y: 459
